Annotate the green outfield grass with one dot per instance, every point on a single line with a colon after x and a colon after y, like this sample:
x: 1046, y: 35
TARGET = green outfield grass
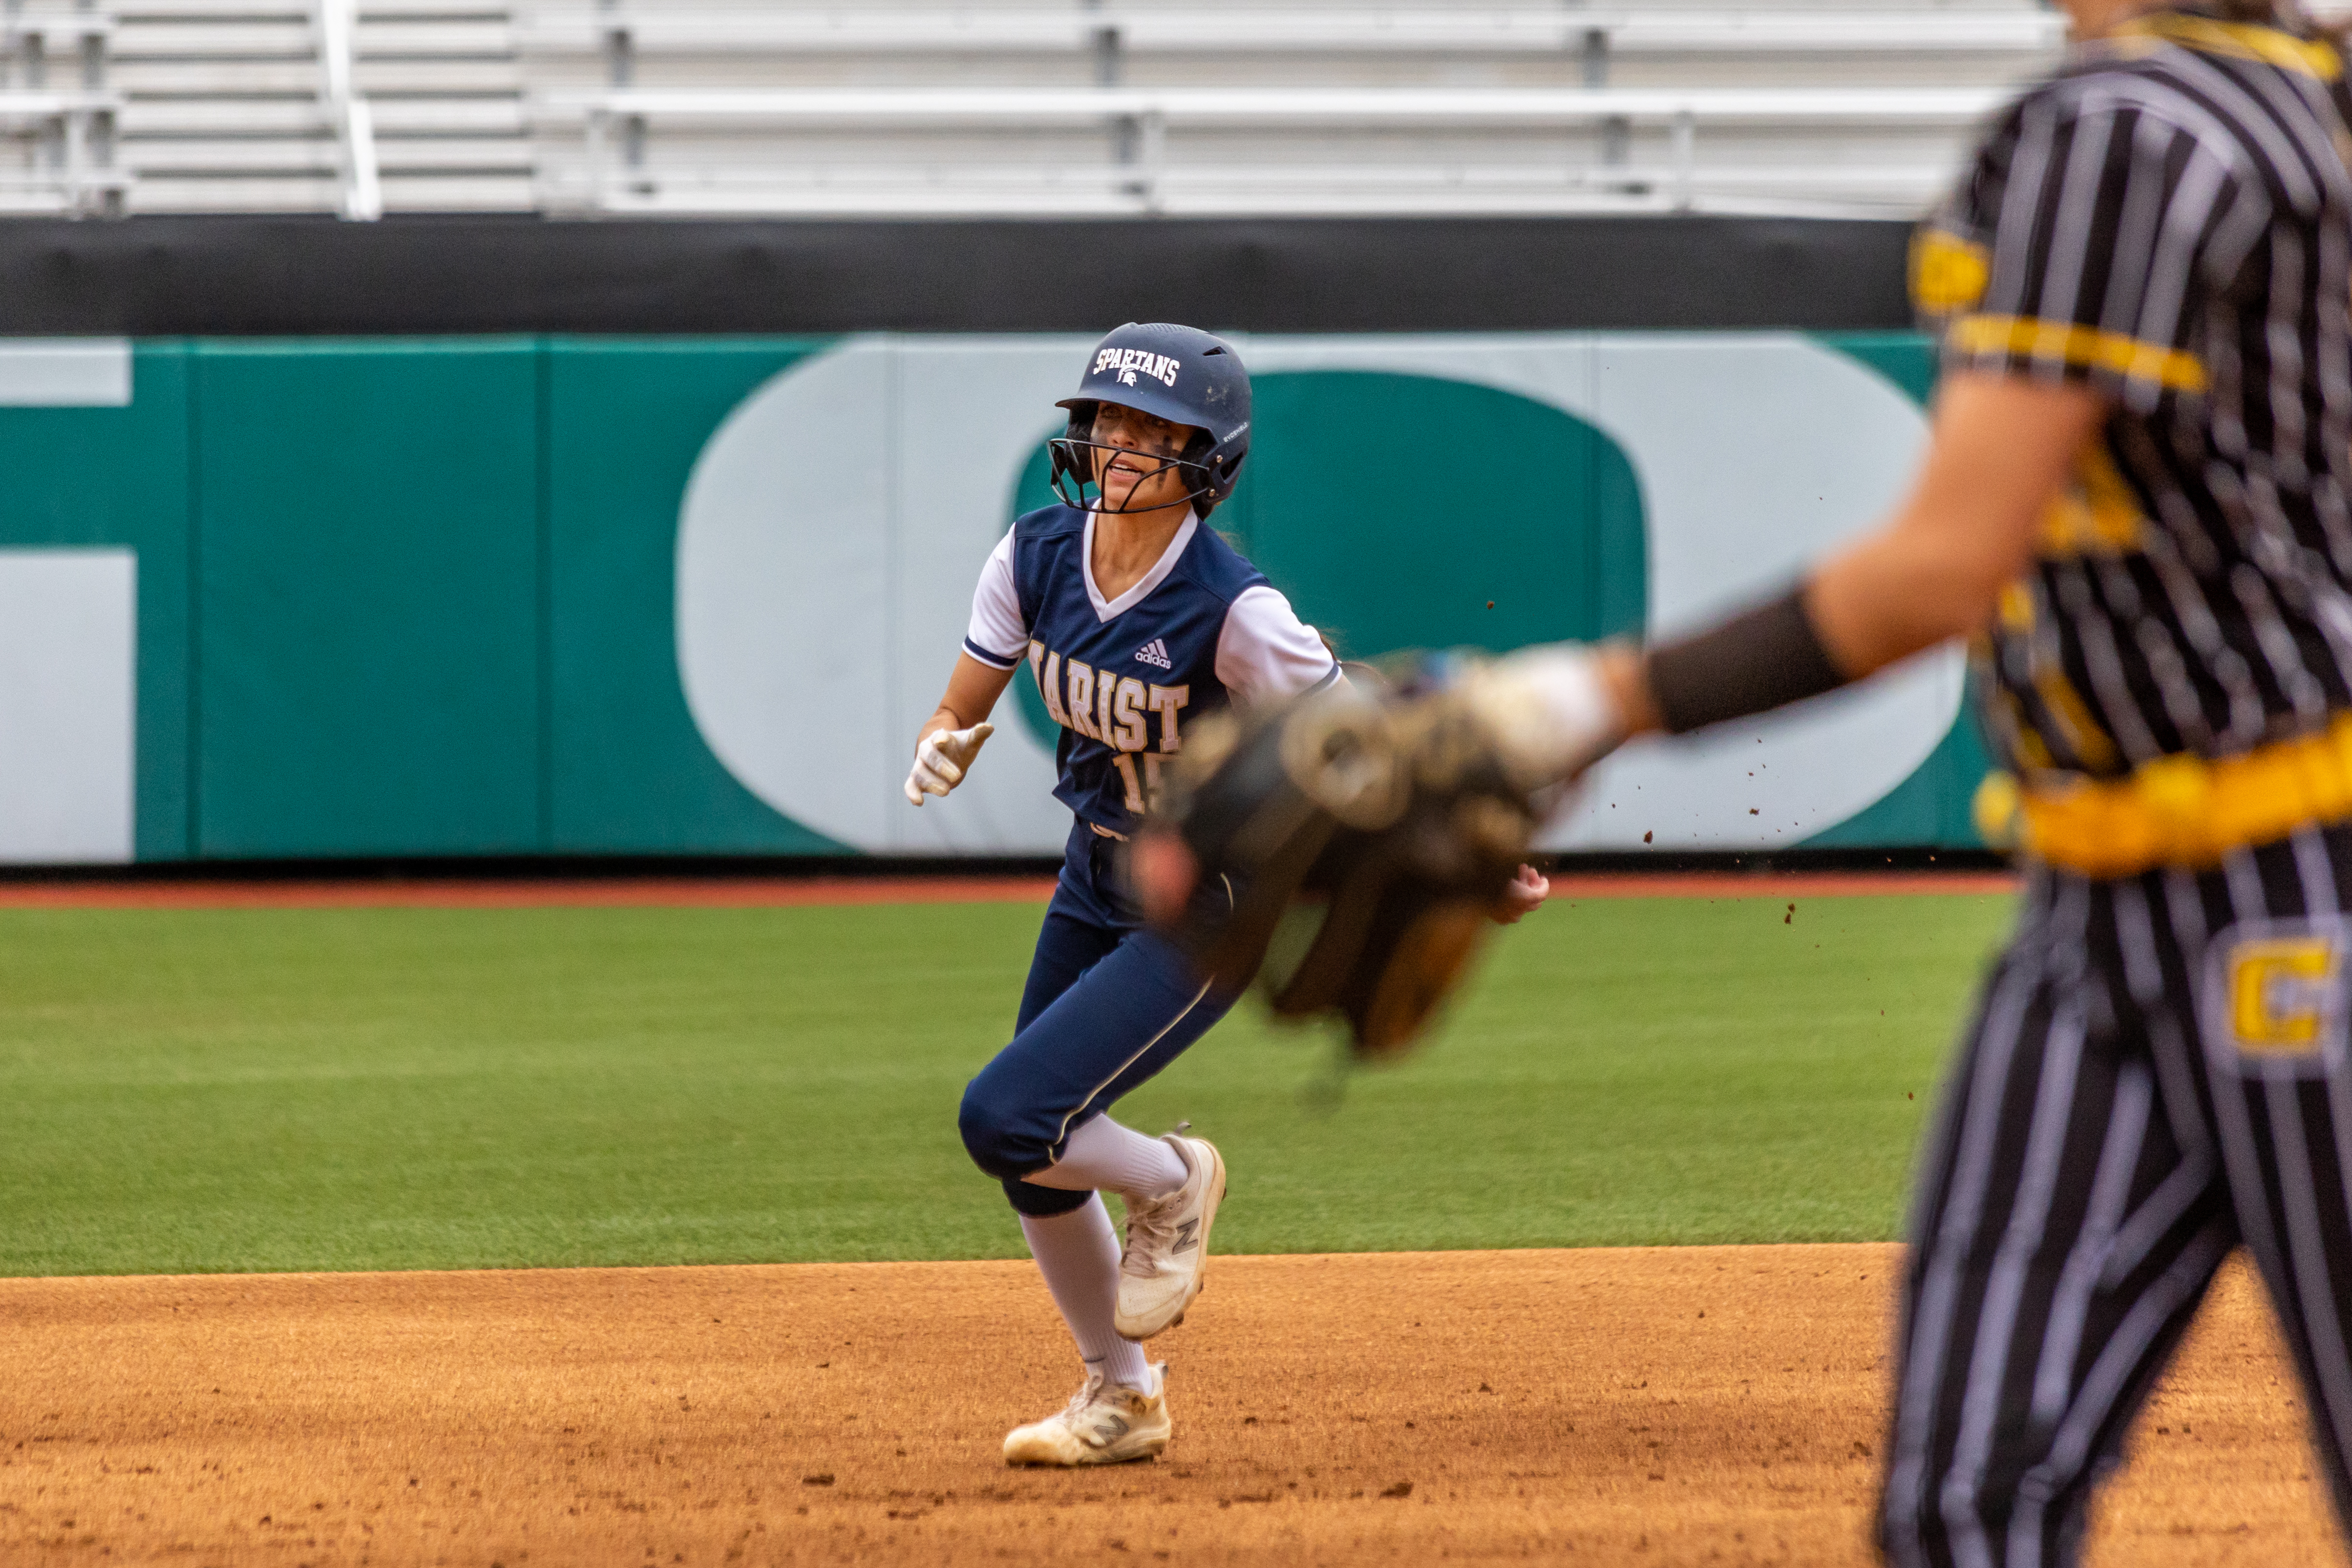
x: 404, y: 1088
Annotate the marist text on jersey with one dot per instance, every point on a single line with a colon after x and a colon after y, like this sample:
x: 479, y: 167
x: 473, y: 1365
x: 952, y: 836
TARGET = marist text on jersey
x: 1115, y: 710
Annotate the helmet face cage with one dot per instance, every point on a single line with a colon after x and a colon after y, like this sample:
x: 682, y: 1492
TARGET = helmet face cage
x: 1078, y: 458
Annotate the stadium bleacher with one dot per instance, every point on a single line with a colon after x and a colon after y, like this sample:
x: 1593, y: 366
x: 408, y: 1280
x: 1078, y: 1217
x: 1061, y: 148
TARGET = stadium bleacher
x: 1202, y: 108
x: 1017, y: 107
x: 301, y: 105
x: 57, y: 117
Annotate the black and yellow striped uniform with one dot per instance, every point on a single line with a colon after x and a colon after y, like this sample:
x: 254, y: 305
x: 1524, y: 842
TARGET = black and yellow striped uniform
x: 2167, y: 221
x: 2158, y: 1069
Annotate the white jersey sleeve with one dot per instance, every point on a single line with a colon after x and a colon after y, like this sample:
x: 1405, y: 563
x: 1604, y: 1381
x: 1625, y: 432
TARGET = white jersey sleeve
x: 1266, y: 653
x: 998, y: 636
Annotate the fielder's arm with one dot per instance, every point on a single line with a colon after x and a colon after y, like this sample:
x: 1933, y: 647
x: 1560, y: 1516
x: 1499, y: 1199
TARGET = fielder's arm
x: 1999, y: 453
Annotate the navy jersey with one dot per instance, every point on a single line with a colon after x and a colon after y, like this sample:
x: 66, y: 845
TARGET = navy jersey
x: 1124, y: 677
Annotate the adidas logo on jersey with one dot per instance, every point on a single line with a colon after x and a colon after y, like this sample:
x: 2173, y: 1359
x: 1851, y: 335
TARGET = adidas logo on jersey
x: 1155, y: 652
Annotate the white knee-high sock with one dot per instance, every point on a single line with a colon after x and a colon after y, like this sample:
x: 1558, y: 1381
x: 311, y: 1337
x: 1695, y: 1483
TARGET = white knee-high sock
x: 1078, y: 1253
x: 1103, y: 1156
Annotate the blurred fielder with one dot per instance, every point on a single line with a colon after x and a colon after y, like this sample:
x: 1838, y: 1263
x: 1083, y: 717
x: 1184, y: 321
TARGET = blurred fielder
x: 2137, y: 505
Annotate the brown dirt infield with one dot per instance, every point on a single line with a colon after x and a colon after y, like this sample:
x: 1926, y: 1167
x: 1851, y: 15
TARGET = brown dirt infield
x: 1692, y: 1406
x: 726, y: 892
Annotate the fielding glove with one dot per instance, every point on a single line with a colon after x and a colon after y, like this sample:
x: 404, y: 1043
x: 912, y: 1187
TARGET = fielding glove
x: 1349, y: 847
x: 1546, y: 712
x: 941, y: 759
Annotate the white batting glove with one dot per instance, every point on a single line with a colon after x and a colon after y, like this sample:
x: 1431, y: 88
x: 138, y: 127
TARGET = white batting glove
x: 1549, y: 709
x: 941, y: 759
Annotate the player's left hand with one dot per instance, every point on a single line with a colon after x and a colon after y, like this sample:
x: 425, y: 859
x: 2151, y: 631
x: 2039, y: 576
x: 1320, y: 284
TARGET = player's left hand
x: 1526, y: 894
x: 942, y: 757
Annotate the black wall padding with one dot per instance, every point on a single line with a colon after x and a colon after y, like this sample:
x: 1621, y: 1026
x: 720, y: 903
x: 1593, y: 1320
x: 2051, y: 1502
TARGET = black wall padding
x: 161, y: 275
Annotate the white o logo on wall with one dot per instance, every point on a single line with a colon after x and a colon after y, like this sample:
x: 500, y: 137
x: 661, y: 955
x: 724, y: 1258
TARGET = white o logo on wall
x: 833, y: 526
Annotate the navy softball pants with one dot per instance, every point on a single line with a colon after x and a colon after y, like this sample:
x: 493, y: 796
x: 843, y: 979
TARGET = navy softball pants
x: 1107, y: 1005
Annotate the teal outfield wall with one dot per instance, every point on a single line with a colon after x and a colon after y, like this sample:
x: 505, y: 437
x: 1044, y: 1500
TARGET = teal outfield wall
x: 419, y: 597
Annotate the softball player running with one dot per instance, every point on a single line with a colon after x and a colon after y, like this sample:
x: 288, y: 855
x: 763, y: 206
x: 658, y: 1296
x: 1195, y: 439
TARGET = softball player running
x: 2138, y: 500
x: 1135, y: 620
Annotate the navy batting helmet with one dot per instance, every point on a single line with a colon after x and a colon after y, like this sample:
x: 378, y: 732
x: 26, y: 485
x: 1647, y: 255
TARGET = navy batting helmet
x: 1181, y: 374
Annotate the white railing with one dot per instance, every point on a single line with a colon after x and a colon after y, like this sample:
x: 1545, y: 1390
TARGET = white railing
x: 31, y: 40
x: 347, y: 111
x: 1139, y: 175
x: 69, y: 131
x: 70, y: 168
x: 625, y: 30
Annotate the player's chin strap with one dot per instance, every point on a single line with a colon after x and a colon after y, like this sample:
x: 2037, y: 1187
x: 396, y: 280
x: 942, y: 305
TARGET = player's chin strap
x: 1074, y: 465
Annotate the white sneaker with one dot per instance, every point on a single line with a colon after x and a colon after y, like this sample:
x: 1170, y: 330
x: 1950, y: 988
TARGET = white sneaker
x: 1104, y: 1424
x: 1166, y: 1255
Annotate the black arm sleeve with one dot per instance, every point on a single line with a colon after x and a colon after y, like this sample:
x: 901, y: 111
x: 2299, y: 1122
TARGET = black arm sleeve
x: 1763, y: 660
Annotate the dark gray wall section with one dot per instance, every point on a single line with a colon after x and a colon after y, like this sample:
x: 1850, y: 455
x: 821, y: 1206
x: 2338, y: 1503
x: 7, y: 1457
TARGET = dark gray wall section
x: 237, y: 276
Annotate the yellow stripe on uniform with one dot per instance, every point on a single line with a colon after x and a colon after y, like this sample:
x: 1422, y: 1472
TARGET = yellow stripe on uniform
x: 2097, y: 513
x: 1948, y: 274
x: 2179, y: 810
x: 2239, y: 40
x: 2079, y: 345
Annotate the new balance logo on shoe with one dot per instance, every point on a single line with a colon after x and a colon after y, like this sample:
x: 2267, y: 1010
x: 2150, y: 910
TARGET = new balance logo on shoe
x: 1155, y: 652
x: 1188, y: 1235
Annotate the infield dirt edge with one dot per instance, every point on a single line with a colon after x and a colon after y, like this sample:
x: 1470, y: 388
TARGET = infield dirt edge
x: 845, y: 891
x: 1692, y: 1404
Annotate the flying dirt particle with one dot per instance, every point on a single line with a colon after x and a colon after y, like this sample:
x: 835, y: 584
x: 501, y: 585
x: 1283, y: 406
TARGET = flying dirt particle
x: 1751, y: 811
x: 1646, y: 838
x: 1908, y: 1095
x: 1490, y: 604
x: 1402, y: 1488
